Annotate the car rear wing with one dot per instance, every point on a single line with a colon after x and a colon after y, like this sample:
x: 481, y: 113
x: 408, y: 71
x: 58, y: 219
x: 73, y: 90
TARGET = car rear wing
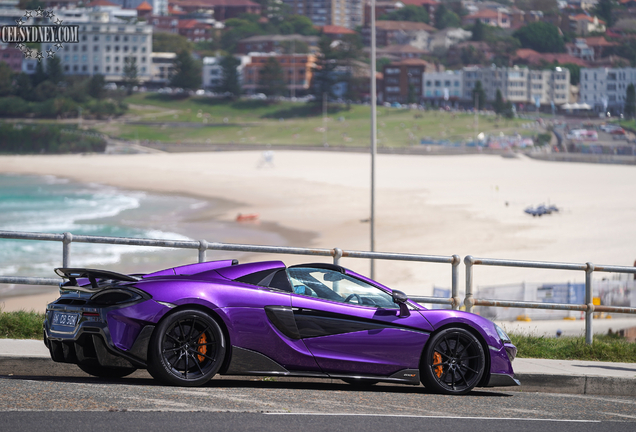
x: 93, y: 275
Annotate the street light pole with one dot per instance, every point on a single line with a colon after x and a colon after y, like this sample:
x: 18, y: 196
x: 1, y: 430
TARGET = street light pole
x: 373, y: 135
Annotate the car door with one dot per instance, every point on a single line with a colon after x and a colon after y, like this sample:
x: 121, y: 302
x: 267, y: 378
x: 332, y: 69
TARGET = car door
x: 352, y: 326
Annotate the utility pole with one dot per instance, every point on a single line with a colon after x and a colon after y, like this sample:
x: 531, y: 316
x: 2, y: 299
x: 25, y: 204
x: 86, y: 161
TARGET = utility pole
x: 373, y: 136
x: 476, y: 122
x: 324, y: 119
x: 293, y: 62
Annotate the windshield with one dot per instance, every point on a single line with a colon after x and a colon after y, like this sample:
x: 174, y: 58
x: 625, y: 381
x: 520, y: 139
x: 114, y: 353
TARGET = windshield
x: 335, y: 286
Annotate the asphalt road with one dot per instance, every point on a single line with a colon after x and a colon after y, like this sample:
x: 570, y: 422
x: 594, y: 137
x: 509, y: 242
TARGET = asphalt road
x: 73, y: 403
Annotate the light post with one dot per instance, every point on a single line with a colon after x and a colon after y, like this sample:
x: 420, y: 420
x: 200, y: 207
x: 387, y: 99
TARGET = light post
x: 373, y: 137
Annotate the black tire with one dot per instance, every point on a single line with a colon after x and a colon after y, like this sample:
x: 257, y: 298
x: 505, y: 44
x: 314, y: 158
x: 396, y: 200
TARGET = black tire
x: 454, y: 362
x: 187, y: 348
x: 106, y: 372
x: 360, y: 382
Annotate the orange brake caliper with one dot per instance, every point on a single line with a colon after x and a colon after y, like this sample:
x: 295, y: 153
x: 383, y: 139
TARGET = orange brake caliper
x: 203, y: 348
x: 437, y: 359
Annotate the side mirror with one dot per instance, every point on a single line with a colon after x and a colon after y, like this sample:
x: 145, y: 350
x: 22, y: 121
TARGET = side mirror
x: 400, y: 299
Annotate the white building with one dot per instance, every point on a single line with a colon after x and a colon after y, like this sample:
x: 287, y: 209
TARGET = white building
x: 520, y: 85
x: 162, y: 67
x: 442, y: 87
x: 345, y: 13
x: 212, y: 70
x: 108, y: 36
x: 605, y: 88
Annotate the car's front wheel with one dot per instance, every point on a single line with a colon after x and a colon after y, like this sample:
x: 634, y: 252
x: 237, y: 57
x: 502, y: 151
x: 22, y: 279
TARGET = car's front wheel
x: 454, y: 362
x: 187, y: 348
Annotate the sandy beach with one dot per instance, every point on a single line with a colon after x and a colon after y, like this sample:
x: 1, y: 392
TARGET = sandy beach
x: 438, y: 205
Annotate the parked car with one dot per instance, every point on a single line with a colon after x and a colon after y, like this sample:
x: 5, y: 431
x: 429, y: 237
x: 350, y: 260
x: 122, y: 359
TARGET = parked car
x: 189, y: 323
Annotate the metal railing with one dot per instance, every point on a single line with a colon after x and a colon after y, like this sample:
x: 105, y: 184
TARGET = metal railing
x: 589, y: 307
x: 202, y: 246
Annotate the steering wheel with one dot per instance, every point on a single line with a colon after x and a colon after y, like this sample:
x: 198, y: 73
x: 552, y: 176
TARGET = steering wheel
x: 350, y: 296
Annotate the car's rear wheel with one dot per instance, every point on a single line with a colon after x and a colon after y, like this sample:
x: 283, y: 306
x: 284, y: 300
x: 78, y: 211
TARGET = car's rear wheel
x: 187, y: 348
x: 106, y: 372
x: 454, y: 362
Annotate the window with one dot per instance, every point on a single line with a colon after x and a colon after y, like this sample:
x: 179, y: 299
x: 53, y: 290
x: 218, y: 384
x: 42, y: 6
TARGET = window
x: 338, y: 287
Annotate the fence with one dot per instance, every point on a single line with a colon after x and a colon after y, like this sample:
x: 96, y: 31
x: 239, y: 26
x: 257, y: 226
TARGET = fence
x: 336, y: 253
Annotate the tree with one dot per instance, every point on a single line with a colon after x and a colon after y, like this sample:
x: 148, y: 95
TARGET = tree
x: 131, y: 78
x: 187, y: 72
x: 6, y: 80
x: 54, y: 70
x: 445, y: 17
x: 272, y: 78
x: 39, y: 75
x: 541, y: 36
x: 630, y: 101
x: 478, y: 31
x: 407, y: 13
x: 297, y: 24
x: 237, y: 29
x: 603, y: 9
x: 23, y: 86
x: 499, y: 103
x: 505, y: 48
x: 479, y: 96
x: 95, y: 87
x: 229, y: 76
x: 168, y: 42
x: 324, y: 78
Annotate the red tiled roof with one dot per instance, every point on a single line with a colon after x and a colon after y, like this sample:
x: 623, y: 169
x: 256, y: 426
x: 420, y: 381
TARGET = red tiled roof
x: 583, y: 17
x: 599, y: 41
x: 145, y: 6
x: 334, y: 29
x: 534, y: 57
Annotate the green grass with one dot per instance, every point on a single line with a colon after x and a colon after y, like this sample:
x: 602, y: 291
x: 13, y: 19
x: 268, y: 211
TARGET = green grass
x: 263, y: 122
x: 612, y: 348
x: 21, y: 325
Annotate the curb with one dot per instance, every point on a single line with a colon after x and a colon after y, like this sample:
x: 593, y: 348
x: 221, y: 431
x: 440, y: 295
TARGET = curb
x: 574, y: 384
x: 542, y: 383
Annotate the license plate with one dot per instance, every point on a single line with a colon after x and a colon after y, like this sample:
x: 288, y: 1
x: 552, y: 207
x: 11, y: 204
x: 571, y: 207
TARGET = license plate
x: 65, y: 319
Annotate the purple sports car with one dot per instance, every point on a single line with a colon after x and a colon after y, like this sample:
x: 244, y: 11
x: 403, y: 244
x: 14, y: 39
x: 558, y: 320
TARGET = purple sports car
x: 186, y: 324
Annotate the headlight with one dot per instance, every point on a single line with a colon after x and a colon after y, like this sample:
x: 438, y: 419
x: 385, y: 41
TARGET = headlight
x: 502, y: 334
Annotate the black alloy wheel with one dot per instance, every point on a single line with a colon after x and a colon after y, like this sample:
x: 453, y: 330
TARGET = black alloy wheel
x: 106, y: 371
x: 186, y: 349
x: 454, y: 362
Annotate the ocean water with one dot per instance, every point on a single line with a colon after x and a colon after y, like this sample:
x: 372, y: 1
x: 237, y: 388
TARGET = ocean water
x: 47, y: 204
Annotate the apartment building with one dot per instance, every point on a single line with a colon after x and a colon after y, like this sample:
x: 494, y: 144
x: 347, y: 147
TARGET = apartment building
x: 605, y: 88
x: 162, y: 67
x: 519, y: 85
x: 442, y: 87
x: 105, y: 43
x: 297, y: 69
x: 345, y: 13
x: 213, y: 71
x: 403, y: 80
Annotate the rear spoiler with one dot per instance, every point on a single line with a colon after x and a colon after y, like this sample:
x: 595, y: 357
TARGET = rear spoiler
x: 93, y: 275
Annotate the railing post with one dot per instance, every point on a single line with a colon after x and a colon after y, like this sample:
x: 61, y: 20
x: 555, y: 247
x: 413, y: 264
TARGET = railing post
x: 468, y: 301
x: 454, y: 282
x: 337, y: 254
x: 66, y: 249
x: 589, y: 313
x: 203, y: 247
